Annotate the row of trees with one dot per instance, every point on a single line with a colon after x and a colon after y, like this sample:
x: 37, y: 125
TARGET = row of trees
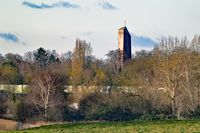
x: 162, y: 83
x: 173, y: 68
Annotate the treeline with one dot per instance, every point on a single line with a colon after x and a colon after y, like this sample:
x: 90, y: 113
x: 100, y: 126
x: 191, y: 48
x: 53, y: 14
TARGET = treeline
x: 164, y: 82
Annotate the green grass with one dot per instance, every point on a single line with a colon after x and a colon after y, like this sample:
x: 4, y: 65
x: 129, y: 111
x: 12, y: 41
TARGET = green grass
x: 120, y: 127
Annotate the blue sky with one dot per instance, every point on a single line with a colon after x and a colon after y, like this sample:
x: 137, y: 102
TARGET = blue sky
x: 26, y: 25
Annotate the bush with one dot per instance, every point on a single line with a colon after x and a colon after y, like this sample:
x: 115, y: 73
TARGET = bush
x: 154, y: 117
x: 113, y: 107
x: 20, y: 111
x: 3, y: 105
x: 193, y: 115
x: 94, y: 106
x: 56, y: 113
x: 72, y: 115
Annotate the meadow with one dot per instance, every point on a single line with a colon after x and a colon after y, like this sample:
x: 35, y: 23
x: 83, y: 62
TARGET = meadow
x: 120, y: 127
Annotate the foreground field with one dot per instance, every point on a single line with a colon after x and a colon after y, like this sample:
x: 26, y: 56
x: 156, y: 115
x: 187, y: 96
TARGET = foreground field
x: 120, y: 127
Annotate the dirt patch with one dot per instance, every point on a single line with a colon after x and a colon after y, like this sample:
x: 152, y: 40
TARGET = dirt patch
x: 8, y: 125
x: 33, y: 124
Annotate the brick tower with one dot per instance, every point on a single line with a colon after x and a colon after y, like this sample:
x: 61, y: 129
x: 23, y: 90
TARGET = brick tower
x: 124, y: 45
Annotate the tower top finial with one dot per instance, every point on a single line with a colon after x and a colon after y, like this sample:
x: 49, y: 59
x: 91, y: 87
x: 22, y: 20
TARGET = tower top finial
x: 124, y: 23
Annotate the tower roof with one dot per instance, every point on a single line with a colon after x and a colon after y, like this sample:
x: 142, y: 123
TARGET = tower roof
x: 123, y: 28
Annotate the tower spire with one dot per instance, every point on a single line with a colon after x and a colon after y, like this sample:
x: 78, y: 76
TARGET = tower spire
x: 125, y: 23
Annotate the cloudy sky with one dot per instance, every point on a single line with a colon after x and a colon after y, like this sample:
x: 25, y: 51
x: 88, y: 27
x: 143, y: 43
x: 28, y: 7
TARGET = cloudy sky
x: 26, y: 25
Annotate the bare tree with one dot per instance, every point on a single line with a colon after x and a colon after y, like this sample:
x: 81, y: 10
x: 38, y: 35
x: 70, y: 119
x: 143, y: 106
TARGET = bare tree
x: 171, y: 66
x: 46, y: 90
x: 113, y: 61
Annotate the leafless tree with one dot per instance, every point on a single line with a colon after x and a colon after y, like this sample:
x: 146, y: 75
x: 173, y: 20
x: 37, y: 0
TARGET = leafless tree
x: 46, y: 90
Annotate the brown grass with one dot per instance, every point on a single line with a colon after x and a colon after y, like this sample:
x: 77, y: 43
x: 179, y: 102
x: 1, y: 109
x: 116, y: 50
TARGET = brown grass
x: 7, y: 125
x: 10, y: 125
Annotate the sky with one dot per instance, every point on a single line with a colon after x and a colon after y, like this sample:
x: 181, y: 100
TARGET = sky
x: 26, y: 25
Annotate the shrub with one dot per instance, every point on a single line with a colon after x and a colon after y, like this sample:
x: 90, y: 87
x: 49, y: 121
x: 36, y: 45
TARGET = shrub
x: 56, y: 113
x: 94, y: 106
x: 72, y: 115
x: 114, y: 106
x: 19, y: 111
x: 193, y: 115
x: 3, y: 105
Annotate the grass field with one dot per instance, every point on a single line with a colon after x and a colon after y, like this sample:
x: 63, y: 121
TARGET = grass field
x: 120, y: 127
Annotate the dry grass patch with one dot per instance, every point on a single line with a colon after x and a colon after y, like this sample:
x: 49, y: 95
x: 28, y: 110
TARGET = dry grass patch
x: 7, y: 125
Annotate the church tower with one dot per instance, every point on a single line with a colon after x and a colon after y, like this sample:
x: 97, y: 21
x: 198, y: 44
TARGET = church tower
x: 124, y: 45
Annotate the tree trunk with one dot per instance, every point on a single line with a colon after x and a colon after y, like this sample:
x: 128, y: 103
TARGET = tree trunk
x: 173, y: 101
x: 45, y: 113
x: 173, y: 106
x: 198, y: 98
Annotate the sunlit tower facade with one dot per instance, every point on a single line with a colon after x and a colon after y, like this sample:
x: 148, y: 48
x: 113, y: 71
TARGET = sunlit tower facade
x: 124, y: 45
